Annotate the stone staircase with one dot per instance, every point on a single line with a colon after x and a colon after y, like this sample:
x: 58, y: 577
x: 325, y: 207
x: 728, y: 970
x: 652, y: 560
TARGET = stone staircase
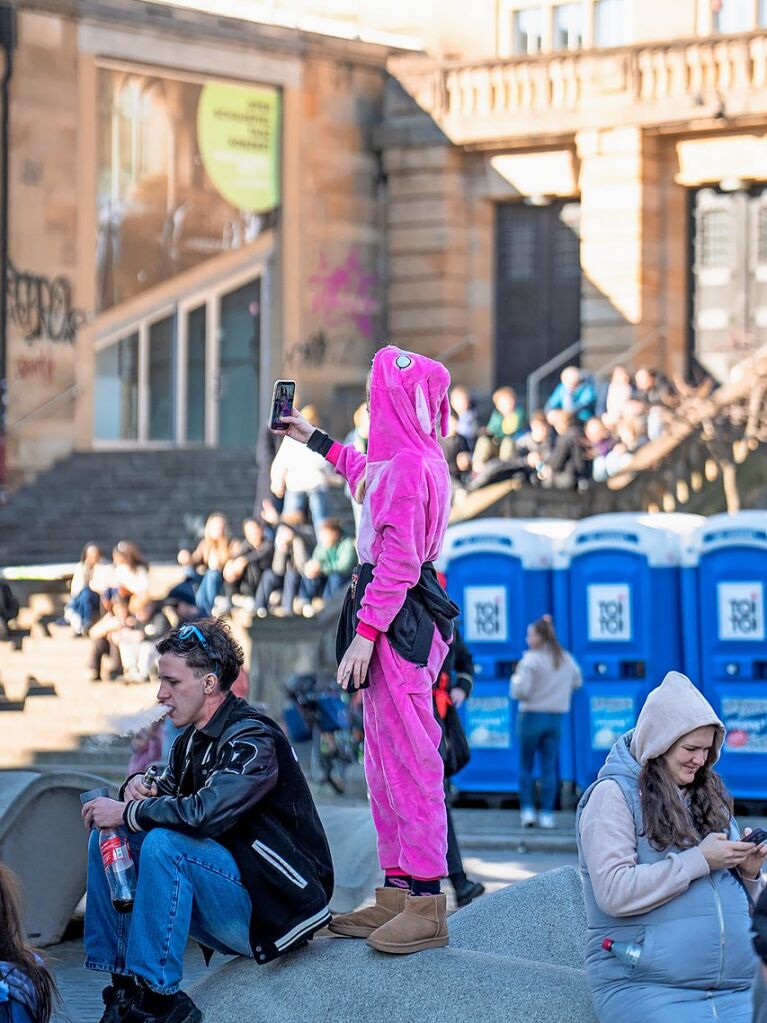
x: 80, y: 727
x: 158, y: 499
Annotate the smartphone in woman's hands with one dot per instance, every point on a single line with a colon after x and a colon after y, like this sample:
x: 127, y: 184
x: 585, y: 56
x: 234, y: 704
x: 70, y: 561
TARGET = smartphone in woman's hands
x: 283, y: 395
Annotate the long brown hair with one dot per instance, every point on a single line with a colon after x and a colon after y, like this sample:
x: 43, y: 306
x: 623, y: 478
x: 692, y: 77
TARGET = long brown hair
x: 667, y: 820
x: 545, y: 628
x: 13, y: 948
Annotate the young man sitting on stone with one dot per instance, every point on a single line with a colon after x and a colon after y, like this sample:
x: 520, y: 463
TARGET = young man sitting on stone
x: 228, y: 843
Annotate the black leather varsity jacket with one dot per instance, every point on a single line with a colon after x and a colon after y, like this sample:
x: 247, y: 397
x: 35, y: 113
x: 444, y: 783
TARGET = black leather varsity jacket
x: 238, y: 781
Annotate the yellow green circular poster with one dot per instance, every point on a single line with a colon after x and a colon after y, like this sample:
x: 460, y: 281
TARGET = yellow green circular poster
x: 237, y: 135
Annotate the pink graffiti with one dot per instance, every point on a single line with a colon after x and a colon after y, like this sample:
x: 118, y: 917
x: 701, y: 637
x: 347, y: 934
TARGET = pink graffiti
x: 346, y: 292
x: 39, y: 366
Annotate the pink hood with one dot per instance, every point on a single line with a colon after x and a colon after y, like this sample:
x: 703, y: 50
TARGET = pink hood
x: 408, y: 404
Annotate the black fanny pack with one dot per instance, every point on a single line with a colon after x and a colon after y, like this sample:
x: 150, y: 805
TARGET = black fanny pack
x: 411, y: 632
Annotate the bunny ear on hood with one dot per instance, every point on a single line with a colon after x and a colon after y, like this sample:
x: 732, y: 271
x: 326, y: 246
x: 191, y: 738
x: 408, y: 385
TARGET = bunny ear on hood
x: 408, y: 404
x: 444, y: 416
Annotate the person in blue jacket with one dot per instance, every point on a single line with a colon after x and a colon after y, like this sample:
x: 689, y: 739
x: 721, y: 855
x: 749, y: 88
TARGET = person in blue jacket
x: 574, y: 393
x: 664, y: 869
x: 27, y: 990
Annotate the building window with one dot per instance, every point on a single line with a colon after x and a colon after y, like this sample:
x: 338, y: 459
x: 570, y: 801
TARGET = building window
x: 528, y: 31
x: 762, y: 13
x: 732, y: 16
x: 568, y: 27
x: 715, y: 238
x: 611, y: 22
x: 761, y: 256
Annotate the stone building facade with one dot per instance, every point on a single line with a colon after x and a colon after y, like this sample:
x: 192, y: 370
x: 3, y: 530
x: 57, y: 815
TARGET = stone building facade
x: 158, y: 281
x: 593, y: 184
x: 540, y: 182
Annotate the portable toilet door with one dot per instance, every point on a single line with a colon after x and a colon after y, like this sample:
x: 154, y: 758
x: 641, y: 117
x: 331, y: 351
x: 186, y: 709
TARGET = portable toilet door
x: 725, y: 576
x: 499, y: 573
x: 618, y: 606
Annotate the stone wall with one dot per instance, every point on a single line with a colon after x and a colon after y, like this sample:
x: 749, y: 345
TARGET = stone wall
x: 333, y: 254
x: 42, y: 238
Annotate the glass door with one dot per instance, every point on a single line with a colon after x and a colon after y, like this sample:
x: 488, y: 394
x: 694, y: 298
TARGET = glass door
x: 239, y: 354
x: 115, y: 409
x: 184, y: 374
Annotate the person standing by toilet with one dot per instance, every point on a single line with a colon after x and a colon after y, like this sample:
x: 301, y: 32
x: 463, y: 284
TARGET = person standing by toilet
x: 399, y: 639
x: 543, y: 683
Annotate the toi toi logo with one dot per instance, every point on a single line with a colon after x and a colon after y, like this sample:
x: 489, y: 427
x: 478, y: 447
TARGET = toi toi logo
x: 487, y: 618
x: 611, y: 617
x: 743, y: 615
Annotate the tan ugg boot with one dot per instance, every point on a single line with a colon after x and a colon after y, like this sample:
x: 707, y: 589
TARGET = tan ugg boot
x: 390, y: 902
x: 422, y: 924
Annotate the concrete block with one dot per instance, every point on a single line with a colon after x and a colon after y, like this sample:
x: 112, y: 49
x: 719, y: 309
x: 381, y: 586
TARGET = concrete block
x: 339, y: 979
x: 549, y: 921
x: 42, y: 840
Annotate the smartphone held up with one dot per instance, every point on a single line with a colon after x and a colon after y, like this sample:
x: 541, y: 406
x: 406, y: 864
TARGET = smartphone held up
x: 283, y: 397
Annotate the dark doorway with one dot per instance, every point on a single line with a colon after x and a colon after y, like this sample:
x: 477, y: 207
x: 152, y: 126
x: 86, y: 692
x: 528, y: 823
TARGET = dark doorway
x: 538, y: 288
x: 728, y: 285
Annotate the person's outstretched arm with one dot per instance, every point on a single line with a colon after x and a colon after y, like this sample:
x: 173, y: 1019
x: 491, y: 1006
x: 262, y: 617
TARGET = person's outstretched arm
x: 345, y: 458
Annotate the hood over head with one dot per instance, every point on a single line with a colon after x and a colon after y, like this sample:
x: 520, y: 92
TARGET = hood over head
x: 409, y: 407
x: 672, y: 710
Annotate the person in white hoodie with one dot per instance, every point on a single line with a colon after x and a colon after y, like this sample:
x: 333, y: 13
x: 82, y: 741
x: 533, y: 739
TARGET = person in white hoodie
x: 665, y: 870
x: 543, y: 684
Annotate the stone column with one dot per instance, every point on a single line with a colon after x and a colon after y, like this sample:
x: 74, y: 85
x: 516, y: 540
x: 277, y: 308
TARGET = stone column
x: 428, y: 235
x: 622, y: 246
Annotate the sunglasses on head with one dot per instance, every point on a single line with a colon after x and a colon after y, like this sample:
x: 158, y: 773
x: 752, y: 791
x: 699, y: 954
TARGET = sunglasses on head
x: 192, y: 632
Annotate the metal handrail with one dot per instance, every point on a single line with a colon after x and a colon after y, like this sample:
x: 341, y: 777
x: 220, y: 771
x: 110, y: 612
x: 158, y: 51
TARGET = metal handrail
x: 466, y: 342
x: 70, y: 391
x: 534, y: 379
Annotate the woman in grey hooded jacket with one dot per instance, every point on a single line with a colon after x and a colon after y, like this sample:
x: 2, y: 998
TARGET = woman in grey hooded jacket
x: 663, y: 868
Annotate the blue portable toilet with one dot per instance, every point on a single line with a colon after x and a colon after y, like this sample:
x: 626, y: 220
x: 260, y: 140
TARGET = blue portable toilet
x: 499, y: 573
x: 617, y: 601
x: 724, y: 580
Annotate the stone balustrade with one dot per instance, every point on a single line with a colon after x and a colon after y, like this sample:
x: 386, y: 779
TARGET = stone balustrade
x: 651, y: 84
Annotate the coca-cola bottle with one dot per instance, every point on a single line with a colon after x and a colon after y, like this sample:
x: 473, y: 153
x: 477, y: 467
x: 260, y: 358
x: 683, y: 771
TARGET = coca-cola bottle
x: 117, y: 859
x: 626, y: 952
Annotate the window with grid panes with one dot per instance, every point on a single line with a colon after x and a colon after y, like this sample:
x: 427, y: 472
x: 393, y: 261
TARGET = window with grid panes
x: 611, y: 22
x: 732, y: 16
x: 568, y: 27
x: 519, y: 241
x: 761, y: 237
x: 715, y: 238
x: 528, y: 31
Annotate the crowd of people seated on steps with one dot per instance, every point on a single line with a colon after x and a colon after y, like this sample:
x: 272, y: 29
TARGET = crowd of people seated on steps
x: 586, y: 432
x: 277, y: 566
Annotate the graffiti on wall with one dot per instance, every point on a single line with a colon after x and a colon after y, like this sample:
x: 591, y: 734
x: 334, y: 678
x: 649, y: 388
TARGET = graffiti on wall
x: 35, y: 367
x: 346, y: 295
x: 41, y: 307
x: 318, y: 350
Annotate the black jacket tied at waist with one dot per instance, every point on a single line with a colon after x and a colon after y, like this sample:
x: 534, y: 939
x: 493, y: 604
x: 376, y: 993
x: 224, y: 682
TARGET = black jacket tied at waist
x: 426, y: 606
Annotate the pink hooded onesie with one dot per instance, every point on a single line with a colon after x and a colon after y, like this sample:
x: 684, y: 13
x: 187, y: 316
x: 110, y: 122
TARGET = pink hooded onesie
x: 404, y: 517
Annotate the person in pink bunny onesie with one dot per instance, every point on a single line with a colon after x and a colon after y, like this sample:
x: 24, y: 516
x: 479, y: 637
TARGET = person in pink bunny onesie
x: 403, y: 484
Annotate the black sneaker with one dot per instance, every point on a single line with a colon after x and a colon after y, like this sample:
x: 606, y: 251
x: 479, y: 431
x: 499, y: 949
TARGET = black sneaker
x: 464, y: 893
x: 182, y: 1010
x: 117, y: 1002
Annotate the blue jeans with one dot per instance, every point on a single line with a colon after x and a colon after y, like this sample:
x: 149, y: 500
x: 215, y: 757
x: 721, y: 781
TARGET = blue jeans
x: 86, y: 604
x: 212, y: 586
x: 538, y: 733
x: 186, y: 886
x: 317, y: 500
